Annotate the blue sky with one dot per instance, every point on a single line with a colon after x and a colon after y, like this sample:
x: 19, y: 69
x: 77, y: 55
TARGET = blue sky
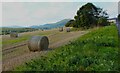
x: 38, y: 13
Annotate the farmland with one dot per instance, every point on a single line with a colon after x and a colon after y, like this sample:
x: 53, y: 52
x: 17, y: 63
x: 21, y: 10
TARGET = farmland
x: 6, y: 30
x: 94, y: 51
x: 22, y: 37
x: 64, y: 36
x: 15, y: 56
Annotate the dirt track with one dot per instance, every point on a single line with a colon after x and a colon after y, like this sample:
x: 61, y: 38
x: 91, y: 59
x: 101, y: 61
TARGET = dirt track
x: 22, y: 54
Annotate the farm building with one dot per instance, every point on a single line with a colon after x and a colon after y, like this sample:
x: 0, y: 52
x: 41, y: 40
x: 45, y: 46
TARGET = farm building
x: 115, y: 20
x: 112, y: 20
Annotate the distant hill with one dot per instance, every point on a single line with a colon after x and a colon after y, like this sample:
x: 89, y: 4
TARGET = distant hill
x: 15, y: 26
x: 52, y: 25
x: 45, y: 26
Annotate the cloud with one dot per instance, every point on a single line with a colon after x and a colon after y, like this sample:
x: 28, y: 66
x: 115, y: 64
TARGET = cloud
x: 59, y: 0
x: 30, y: 13
x: 119, y: 7
x: 13, y: 14
x: 36, y: 13
x: 112, y: 9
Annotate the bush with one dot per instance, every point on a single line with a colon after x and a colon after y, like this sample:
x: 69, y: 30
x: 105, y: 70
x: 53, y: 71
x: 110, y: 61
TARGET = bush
x: 103, y: 22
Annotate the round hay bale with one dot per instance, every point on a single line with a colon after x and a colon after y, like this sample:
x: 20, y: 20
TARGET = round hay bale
x: 13, y: 35
x: 60, y: 29
x: 38, y: 43
x: 68, y: 29
x: 42, y: 30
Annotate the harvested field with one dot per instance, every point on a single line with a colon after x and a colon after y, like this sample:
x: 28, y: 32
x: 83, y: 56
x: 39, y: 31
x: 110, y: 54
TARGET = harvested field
x: 8, y: 42
x: 14, y: 55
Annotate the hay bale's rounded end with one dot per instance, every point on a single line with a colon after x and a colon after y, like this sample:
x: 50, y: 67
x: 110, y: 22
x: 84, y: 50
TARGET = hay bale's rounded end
x: 38, y: 43
x: 67, y: 29
x: 60, y: 29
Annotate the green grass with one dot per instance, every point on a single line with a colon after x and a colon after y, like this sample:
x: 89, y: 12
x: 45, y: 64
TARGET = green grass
x: 15, y: 40
x: 95, y: 51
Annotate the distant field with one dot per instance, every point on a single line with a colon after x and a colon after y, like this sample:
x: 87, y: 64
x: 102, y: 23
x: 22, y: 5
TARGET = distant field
x: 95, y: 51
x: 6, y: 31
x: 7, y: 41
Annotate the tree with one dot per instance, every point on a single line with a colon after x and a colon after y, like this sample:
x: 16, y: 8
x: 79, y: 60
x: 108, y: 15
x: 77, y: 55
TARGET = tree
x: 88, y: 16
x: 70, y: 23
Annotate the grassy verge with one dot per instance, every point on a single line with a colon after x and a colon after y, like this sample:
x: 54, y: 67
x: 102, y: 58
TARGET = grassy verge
x: 95, y: 51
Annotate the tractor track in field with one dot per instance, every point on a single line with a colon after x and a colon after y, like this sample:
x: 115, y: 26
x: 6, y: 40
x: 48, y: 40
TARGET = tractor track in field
x: 61, y: 39
x: 12, y: 48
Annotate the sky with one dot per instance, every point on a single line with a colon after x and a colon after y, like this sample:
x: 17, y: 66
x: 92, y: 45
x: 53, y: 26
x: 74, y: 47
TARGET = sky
x: 39, y: 13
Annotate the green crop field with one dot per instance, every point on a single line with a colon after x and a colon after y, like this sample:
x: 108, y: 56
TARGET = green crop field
x: 95, y: 51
